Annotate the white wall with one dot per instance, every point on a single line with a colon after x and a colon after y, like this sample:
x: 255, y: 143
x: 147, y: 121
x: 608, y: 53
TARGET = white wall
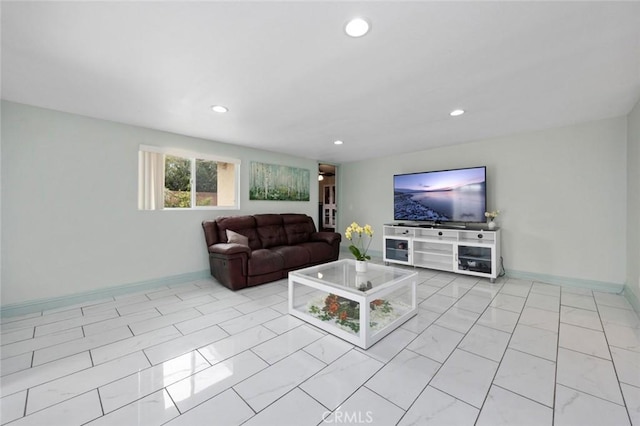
x: 633, y: 202
x: 69, y: 205
x: 69, y: 197
x: 562, y: 193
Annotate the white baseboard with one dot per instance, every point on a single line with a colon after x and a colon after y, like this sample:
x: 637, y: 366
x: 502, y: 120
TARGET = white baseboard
x: 603, y: 286
x: 38, y: 305
x: 607, y: 287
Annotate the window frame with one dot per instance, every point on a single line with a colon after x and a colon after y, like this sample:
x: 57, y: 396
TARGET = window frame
x: 192, y: 156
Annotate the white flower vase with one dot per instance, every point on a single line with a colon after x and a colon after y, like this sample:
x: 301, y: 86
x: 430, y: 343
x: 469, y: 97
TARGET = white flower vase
x: 491, y: 224
x: 361, y: 266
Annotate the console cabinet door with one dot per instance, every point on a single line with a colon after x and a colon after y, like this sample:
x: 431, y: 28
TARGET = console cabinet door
x: 476, y: 259
x: 397, y: 250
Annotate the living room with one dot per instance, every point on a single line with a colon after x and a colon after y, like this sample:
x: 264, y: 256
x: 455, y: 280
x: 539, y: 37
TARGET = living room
x: 569, y: 196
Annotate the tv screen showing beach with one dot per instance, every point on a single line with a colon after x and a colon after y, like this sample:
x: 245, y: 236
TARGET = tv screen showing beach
x: 441, y: 196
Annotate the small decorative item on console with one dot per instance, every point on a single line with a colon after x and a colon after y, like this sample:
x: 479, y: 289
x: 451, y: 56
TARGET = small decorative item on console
x: 492, y: 216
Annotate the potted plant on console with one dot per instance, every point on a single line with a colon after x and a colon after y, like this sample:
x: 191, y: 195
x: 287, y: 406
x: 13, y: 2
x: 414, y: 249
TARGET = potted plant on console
x: 357, y: 235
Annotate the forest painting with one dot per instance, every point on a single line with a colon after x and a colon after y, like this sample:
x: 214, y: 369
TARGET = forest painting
x: 282, y: 183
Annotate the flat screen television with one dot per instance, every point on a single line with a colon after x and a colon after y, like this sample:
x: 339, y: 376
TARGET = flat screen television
x: 458, y: 195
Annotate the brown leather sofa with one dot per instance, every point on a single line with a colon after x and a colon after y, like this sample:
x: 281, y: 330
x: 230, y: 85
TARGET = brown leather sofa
x: 249, y: 250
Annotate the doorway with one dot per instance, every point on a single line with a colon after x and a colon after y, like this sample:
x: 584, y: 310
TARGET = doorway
x: 328, y: 201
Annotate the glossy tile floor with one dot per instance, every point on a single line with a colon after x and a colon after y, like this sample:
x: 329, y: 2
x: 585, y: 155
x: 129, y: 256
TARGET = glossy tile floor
x: 509, y: 353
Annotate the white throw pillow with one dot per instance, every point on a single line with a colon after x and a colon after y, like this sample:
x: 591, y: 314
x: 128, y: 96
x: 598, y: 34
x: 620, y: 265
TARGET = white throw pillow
x: 234, y: 237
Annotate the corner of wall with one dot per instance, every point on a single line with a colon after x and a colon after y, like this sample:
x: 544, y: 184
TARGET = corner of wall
x: 632, y: 287
x: 632, y: 297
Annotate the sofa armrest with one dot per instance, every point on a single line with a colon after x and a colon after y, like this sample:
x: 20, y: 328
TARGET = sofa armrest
x: 327, y: 237
x: 228, y: 249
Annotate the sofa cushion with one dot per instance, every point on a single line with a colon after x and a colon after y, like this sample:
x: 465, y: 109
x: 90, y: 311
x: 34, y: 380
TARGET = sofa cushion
x: 264, y: 261
x: 293, y: 256
x: 234, y: 237
x: 298, y: 228
x: 245, y: 225
x: 270, y: 230
x: 318, y: 252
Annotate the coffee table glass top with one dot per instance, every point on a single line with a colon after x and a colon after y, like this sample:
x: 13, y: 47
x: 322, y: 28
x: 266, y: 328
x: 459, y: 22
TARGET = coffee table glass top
x: 342, y: 274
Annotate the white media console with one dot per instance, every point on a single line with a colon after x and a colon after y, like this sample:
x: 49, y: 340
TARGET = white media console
x: 464, y: 251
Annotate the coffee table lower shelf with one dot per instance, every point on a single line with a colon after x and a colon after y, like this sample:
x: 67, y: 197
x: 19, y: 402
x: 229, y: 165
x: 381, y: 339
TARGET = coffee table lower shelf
x: 359, y: 317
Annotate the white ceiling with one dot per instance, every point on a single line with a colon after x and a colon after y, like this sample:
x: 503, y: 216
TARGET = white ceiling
x: 294, y: 82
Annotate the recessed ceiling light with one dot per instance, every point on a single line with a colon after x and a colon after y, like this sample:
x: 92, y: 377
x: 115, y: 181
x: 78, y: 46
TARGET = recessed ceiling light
x: 219, y: 108
x: 456, y: 112
x: 337, y: 142
x: 357, y: 27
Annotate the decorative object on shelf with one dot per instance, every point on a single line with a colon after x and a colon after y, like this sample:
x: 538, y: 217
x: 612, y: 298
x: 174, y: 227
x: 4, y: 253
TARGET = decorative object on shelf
x: 355, y: 233
x: 346, y: 312
x: 365, y: 287
x: 492, y: 216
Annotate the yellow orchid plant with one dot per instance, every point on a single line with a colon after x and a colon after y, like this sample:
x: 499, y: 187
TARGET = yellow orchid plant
x: 355, y: 234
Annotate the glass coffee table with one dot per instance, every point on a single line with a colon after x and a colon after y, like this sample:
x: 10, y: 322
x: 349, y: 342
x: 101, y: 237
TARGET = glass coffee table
x: 360, y: 308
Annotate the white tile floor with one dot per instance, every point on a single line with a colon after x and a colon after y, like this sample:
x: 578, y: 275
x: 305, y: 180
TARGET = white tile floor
x: 510, y: 353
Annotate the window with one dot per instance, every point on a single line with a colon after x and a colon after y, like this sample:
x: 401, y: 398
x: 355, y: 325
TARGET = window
x: 181, y: 180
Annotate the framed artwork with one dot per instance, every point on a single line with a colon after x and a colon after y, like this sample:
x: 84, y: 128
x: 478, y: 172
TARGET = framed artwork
x: 278, y: 183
